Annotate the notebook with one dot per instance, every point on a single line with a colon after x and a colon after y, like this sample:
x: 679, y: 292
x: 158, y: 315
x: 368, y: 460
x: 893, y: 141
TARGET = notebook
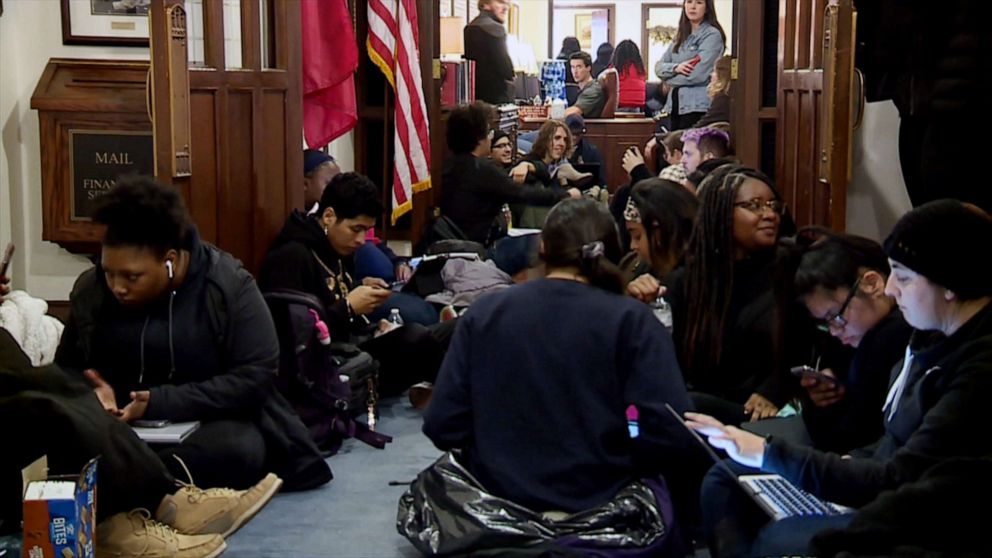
x: 778, y: 497
x: 174, y: 433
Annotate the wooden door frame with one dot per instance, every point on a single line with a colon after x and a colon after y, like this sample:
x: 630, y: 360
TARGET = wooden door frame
x: 611, y: 10
x: 645, y: 11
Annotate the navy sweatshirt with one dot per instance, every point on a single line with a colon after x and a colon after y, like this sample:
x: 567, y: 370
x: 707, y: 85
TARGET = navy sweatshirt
x: 535, y: 386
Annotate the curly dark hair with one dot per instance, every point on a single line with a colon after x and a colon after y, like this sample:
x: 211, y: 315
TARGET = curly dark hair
x: 467, y: 126
x: 143, y: 213
x: 351, y: 195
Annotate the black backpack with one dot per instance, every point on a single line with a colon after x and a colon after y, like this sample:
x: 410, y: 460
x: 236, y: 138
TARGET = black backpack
x: 328, y: 385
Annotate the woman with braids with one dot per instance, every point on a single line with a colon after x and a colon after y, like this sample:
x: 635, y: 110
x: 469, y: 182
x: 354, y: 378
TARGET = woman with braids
x: 508, y: 371
x: 727, y: 320
x: 631, y: 75
x: 659, y: 217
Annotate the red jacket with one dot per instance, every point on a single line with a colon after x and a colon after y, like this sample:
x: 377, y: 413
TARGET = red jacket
x: 632, y: 87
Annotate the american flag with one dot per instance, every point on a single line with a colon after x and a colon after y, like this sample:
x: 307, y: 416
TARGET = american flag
x: 393, y: 45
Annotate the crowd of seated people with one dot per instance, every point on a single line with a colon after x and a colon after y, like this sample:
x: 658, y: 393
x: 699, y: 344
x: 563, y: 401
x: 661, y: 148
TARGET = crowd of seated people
x: 548, y: 397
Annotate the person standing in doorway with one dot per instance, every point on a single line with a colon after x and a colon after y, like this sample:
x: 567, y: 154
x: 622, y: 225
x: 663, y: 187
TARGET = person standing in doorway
x: 485, y: 42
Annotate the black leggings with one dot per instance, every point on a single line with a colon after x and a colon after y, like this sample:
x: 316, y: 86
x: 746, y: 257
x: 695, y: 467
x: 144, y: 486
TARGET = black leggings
x: 71, y: 431
x: 222, y: 453
x: 410, y: 354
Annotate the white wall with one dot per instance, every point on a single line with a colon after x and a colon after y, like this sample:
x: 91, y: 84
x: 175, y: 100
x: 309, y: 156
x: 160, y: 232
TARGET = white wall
x: 30, y: 34
x: 534, y: 21
x: 877, y: 194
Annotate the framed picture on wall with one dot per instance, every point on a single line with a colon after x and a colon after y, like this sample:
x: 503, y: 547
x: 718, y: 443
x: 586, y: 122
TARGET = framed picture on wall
x: 583, y: 31
x: 105, y: 22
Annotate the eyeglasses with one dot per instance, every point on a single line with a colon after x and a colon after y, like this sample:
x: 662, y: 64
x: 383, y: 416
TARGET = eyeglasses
x: 758, y: 207
x: 502, y: 145
x: 838, y: 319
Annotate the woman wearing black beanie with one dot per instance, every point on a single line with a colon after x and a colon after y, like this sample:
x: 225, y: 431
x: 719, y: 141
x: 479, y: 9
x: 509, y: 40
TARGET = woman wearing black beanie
x: 936, y: 409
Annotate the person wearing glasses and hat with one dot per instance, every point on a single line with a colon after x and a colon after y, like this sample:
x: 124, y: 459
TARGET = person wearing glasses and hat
x: 935, y: 413
x: 841, y: 280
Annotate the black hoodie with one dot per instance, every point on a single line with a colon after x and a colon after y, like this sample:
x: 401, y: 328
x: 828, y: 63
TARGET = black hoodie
x: 302, y: 259
x: 206, y: 351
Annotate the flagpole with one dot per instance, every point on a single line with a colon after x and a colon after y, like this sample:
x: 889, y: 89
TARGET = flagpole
x: 386, y: 167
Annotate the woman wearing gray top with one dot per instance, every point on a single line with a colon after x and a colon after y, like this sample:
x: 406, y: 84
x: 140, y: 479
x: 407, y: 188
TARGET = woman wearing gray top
x: 687, y: 64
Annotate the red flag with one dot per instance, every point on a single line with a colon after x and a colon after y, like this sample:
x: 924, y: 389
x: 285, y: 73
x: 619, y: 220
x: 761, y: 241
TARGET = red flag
x: 330, y: 57
x: 394, y: 46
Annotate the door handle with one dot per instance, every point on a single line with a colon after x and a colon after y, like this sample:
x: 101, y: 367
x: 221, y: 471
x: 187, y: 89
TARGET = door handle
x: 859, y: 95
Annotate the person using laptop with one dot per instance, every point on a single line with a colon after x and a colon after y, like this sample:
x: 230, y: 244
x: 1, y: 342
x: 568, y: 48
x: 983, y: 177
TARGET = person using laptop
x: 935, y: 410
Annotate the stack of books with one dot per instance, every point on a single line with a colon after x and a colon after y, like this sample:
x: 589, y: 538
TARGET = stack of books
x: 457, y: 82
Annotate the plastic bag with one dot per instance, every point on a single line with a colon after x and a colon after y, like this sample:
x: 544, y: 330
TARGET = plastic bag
x: 446, y: 511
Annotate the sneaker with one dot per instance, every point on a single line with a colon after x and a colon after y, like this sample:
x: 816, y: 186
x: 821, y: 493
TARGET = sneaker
x: 420, y: 394
x: 448, y: 313
x: 196, y: 511
x: 137, y: 535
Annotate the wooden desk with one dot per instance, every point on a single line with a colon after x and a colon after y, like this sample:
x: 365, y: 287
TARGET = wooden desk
x: 612, y: 137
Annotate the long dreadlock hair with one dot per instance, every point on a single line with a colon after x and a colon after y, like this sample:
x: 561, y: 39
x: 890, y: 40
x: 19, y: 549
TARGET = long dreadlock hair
x: 709, y: 273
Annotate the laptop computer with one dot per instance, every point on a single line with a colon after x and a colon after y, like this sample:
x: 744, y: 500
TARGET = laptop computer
x: 773, y: 493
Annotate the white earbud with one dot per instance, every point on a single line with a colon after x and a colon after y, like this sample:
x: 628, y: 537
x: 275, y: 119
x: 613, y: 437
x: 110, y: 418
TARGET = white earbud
x: 168, y: 268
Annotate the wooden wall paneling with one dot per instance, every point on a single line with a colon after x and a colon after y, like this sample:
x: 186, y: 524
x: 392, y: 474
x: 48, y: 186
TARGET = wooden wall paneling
x: 746, y: 91
x: 247, y: 155
x: 814, y: 112
x: 203, y: 200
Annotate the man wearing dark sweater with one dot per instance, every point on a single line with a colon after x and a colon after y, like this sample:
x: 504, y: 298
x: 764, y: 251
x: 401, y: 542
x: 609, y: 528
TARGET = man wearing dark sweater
x: 474, y: 188
x: 485, y: 42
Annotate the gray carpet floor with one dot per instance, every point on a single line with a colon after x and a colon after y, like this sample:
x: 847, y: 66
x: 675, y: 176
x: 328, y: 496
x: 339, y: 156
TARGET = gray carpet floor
x: 353, y: 516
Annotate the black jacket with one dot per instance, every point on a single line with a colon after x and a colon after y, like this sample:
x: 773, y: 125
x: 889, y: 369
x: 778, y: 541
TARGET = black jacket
x: 302, y: 259
x: 941, y: 415
x: 753, y: 355
x: 485, y: 42
x: 856, y: 420
x: 934, y: 516
x: 719, y: 111
x: 209, y: 353
x: 475, y: 189
x: 58, y: 416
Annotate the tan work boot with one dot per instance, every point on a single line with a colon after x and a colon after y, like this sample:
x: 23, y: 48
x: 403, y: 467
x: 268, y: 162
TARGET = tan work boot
x: 137, y: 535
x: 420, y: 395
x: 196, y: 511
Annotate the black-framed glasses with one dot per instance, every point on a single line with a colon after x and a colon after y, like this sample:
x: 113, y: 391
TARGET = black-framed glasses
x: 758, y: 207
x: 505, y: 145
x: 838, y: 319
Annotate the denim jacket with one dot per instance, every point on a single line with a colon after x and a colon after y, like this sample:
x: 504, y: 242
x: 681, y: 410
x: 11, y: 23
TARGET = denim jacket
x: 707, y: 42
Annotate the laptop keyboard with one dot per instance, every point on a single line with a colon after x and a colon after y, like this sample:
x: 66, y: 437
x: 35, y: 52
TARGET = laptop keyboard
x: 790, y: 499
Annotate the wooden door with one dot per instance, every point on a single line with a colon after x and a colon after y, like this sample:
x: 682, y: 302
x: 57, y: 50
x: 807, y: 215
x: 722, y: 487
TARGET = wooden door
x: 814, y: 120
x: 229, y: 127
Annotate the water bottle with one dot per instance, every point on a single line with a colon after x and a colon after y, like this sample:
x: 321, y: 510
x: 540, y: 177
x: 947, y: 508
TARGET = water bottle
x: 395, y: 318
x: 662, y: 311
x: 507, y: 216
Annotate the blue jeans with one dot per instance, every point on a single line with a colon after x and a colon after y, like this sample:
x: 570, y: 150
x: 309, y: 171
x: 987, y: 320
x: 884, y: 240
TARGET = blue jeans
x: 370, y: 261
x: 413, y: 309
x: 734, y: 525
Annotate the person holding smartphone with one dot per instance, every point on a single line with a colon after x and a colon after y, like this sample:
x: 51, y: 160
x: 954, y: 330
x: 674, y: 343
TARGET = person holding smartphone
x: 841, y: 281
x: 935, y: 411
x: 686, y: 66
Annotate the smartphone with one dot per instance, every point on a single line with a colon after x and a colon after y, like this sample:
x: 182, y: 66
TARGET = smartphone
x: 150, y: 423
x: 805, y: 370
x: 7, y: 255
x: 694, y: 60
